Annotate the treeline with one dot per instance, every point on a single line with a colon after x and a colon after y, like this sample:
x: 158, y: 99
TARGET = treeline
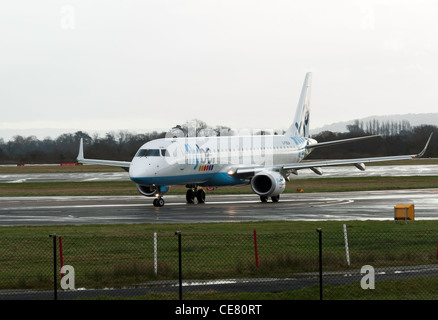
x: 115, y: 146
x: 407, y: 140
x: 384, y: 128
x: 395, y: 139
x: 121, y: 145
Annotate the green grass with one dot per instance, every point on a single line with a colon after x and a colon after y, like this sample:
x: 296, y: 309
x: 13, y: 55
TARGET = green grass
x: 94, y: 188
x: 27, y: 169
x: 128, y: 188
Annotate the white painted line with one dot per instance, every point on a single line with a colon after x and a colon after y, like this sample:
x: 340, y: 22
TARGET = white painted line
x: 333, y: 202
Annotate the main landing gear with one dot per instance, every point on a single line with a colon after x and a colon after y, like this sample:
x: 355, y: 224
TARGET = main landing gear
x: 193, y: 192
x: 265, y: 199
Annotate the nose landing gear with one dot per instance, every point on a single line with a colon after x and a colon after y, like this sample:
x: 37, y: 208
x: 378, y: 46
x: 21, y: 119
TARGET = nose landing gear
x: 158, y: 202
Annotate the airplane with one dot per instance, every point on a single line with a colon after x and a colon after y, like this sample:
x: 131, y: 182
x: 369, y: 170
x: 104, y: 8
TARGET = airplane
x: 265, y: 162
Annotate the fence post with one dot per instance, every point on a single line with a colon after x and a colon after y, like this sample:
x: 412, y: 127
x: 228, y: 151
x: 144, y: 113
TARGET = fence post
x: 55, y: 281
x: 61, y: 257
x: 155, y: 254
x: 255, y: 249
x: 178, y: 233
x: 319, y: 230
x: 347, y: 253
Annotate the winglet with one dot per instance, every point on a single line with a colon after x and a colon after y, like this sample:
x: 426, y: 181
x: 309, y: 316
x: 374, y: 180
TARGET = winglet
x: 81, y: 151
x: 425, y: 147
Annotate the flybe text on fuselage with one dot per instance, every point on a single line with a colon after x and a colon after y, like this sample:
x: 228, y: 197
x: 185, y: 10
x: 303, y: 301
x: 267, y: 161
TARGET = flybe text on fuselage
x: 198, y: 156
x: 247, y: 150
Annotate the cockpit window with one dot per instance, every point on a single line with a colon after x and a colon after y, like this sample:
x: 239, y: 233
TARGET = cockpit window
x: 148, y: 153
x: 152, y: 153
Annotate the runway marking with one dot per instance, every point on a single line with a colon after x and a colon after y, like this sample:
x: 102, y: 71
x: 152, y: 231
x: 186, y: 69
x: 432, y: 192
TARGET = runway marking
x: 59, y: 218
x: 84, y: 206
x: 334, y: 202
x: 71, y: 206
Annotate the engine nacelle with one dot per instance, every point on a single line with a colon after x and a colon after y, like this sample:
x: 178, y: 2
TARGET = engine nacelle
x: 268, y: 183
x: 152, y: 191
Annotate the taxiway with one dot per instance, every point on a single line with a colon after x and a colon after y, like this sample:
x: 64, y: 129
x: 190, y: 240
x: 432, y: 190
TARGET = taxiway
x: 370, y: 205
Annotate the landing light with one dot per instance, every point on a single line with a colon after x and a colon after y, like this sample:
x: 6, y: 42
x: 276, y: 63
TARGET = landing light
x: 231, y: 172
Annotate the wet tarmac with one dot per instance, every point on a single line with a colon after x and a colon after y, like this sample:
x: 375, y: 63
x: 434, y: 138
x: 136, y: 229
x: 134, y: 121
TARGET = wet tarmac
x: 341, y: 206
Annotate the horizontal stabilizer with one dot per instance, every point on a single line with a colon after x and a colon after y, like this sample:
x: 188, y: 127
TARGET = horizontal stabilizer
x: 331, y: 143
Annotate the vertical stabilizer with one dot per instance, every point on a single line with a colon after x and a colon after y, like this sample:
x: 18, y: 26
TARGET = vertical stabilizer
x: 300, y: 126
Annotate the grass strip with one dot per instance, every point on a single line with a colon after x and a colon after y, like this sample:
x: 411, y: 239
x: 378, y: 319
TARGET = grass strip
x: 101, y: 188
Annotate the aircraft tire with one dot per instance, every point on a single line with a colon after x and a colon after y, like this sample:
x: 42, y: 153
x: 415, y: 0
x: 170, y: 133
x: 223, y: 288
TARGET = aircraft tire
x: 200, y: 195
x: 158, y: 202
x: 190, y: 196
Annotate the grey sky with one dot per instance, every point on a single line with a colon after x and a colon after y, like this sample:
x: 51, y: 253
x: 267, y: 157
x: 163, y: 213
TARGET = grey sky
x: 145, y: 65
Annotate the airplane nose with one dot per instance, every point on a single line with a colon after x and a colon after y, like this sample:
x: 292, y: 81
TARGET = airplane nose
x: 143, y: 168
x: 133, y: 171
x: 137, y: 168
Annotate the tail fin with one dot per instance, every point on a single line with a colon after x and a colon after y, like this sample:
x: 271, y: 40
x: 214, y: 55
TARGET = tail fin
x: 300, y: 126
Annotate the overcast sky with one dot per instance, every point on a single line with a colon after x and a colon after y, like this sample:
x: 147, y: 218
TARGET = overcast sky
x: 144, y: 65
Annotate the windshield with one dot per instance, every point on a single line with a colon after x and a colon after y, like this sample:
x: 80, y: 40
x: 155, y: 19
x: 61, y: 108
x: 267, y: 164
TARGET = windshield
x: 148, y: 153
x: 152, y: 153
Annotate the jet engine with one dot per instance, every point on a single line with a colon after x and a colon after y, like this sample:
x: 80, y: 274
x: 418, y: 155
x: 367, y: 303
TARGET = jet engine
x: 152, y: 191
x: 268, y: 183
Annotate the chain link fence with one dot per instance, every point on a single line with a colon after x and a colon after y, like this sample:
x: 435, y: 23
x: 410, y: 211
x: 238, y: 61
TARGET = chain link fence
x: 306, y: 264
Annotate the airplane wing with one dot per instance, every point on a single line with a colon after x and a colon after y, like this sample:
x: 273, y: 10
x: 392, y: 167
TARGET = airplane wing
x: 124, y: 164
x: 316, y: 165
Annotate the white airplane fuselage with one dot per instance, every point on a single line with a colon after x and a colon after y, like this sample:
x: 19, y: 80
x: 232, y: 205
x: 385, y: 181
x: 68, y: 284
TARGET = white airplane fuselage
x: 207, y: 161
